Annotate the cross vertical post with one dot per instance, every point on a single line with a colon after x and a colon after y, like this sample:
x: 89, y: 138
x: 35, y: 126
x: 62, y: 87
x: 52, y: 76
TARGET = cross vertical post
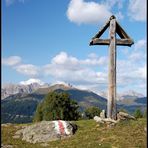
x: 112, y: 42
x: 111, y: 104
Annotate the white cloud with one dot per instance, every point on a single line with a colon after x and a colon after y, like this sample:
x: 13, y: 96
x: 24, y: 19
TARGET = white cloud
x: 142, y: 72
x: 140, y: 44
x: 119, y: 15
x: 11, y: 61
x: 129, y: 72
x: 112, y: 3
x: 90, y: 12
x: 91, y: 72
x: 81, y: 75
x: 94, y: 61
x: 16, y: 63
x: 31, y: 81
x: 72, y: 62
x: 80, y: 12
x: 137, y: 10
x: 68, y: 68
x: 27, y: 69
x: 132, y: 70
x: 138, y: 54
x: 62, y: 58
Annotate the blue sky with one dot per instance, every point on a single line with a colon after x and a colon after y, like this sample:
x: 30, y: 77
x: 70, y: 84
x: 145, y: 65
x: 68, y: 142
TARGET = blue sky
x: 48, y: 41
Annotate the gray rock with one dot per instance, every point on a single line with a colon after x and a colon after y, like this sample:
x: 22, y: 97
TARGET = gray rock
x: 124, y: 116
x: 104, y: 120
x: 46, y: 131
x: 98, y: 119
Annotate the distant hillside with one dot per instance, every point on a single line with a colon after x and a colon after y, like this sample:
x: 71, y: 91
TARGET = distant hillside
x: 131, y: 104
x: 86, y: 98
x: 142, y: 100
x: 133, y: 101
x: 20, y: 108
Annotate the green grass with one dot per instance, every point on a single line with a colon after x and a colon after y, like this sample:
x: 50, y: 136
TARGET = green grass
x: 129, y: 134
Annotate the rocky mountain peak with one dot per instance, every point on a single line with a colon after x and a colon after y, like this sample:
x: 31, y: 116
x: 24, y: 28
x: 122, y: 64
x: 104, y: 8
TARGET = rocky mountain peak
x: 11, y: 89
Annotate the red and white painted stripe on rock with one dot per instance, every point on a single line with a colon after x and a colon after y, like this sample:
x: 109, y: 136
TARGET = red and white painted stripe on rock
x: 61, y: 127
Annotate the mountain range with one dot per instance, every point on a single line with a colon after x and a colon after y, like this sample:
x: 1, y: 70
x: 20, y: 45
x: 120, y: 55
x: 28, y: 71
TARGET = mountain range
x: 11, y: 89
x: 20, y: 104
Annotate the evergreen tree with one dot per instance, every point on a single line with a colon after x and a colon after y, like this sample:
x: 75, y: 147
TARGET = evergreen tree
x: 57, y: 106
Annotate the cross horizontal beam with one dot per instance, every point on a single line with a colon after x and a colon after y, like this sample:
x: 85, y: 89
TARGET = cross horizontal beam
x: 120, y: 42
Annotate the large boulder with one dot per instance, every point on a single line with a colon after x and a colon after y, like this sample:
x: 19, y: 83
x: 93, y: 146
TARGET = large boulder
x: 46, y: 131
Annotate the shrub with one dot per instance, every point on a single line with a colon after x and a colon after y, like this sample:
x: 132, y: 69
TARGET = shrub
x: 92, y: 111
x: 138, y: 113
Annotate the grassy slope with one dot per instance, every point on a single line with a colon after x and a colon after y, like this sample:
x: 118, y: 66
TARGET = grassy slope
x: 90, y: 135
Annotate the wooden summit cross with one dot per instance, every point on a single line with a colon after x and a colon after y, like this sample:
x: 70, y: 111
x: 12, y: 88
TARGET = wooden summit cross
x: 125, y: 40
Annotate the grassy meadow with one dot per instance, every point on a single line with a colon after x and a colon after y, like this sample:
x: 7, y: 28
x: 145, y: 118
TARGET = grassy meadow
x: 127, y: 134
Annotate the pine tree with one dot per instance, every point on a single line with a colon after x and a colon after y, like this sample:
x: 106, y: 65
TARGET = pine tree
x: 57, y: 106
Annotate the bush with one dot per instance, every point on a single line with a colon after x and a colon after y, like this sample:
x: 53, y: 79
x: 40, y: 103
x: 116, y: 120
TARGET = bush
x: 138, y: 114
x: 57, y: 106
x: 145, y: 113
x: 91, y: 112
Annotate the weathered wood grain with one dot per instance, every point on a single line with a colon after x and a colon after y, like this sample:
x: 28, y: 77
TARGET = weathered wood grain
x: 111, y: 106
x: 119, y: 42
x: 102, y: 30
